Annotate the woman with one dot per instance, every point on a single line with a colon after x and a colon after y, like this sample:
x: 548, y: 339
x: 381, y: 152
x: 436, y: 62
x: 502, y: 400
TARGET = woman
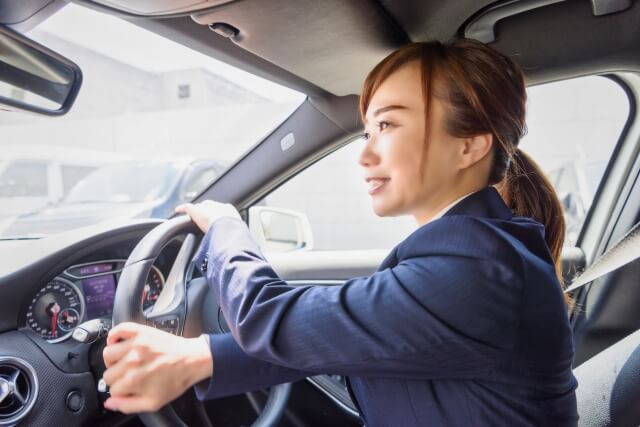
x: 464, y: 323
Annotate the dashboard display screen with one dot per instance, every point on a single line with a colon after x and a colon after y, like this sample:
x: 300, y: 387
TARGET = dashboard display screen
x: 99, y: 293
x: 95, y: 269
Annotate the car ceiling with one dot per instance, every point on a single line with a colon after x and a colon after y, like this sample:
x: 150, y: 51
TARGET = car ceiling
x: 325, y: 48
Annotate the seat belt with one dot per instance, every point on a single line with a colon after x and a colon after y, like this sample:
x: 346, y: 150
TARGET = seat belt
x: 623, y: 252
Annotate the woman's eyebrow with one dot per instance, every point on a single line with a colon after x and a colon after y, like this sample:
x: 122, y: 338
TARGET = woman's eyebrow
x: 385, y: 109
x: 388, y: 108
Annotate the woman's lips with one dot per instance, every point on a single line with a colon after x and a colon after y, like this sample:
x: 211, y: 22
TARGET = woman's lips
x: 376, y: 184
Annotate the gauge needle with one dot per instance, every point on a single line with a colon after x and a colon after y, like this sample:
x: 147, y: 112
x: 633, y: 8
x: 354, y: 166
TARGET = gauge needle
x: 146, y: 291
x: 54, y: 318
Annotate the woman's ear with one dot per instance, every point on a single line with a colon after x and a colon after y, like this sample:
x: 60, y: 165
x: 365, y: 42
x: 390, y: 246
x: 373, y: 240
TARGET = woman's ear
x: 474, y: 149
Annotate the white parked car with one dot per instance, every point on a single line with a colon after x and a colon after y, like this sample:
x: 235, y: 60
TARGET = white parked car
x: 33, y: 177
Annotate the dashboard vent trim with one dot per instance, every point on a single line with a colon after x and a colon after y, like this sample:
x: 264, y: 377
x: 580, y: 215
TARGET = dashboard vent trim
x: 18, y: 389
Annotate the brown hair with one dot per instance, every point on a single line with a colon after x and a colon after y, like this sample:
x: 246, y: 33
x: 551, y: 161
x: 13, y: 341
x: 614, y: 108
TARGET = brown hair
x: 485, y: 93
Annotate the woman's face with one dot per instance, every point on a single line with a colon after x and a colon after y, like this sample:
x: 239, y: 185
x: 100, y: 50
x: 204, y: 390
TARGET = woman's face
x: 405, y: 176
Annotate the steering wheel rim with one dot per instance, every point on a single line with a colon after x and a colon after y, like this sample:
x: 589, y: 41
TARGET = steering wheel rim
x: 127, y: 308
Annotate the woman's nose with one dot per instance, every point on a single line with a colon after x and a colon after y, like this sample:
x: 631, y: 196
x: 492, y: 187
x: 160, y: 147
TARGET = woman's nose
x: 368, y: 156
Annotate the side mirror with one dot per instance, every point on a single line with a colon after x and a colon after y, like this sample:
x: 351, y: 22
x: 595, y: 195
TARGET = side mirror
x: 280, y: 230
x: 34, y: 78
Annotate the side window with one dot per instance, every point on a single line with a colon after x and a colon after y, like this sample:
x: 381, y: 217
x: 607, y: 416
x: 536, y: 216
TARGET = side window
x: 24, y: 178
x: 333, y: 195
x: 573, y: 127
x: 72, y: 174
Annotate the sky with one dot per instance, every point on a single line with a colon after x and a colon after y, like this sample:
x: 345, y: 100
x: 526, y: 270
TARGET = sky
x: 143, y: 49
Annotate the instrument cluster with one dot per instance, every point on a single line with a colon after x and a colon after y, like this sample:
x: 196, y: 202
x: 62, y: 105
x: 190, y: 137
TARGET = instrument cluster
x: 82, y: 292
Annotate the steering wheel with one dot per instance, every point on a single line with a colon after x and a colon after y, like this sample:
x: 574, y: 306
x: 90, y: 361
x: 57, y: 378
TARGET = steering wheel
x: 179, y: 308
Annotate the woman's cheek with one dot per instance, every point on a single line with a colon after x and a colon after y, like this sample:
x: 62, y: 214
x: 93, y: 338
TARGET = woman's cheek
x: 392, y: 143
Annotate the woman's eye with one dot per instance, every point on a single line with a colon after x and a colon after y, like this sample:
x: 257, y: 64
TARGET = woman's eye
x: 383, y: 125
x: 380, y: 126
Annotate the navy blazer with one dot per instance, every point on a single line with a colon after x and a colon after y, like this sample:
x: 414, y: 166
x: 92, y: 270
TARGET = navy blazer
x: 463, y: 324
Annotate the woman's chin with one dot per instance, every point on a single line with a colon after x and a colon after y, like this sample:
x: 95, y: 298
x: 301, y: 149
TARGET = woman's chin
x: 383, y: 209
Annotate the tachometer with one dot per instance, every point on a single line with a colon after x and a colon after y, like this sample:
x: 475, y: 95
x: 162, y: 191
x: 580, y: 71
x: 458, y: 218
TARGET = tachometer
x: 56, y: 310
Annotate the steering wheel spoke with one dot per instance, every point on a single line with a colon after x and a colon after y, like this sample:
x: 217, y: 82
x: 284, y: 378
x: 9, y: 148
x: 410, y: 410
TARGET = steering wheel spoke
x: 170, y: 310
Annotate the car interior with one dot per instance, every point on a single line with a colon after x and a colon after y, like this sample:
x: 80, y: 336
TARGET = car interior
x: 323, y: 49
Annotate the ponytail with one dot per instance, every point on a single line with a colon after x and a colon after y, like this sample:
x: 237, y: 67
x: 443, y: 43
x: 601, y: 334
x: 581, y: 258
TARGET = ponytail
x: 528, y: 192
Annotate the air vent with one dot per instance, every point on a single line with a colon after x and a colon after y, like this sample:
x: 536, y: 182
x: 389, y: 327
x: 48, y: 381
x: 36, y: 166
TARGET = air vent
x: 18, y: 390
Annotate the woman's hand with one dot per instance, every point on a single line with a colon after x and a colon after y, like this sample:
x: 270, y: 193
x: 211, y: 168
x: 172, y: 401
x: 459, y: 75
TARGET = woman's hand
x: 148, y: 368
x: 205, y: 213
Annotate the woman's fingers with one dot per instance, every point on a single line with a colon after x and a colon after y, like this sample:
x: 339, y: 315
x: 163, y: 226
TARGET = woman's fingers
x: 114, y: 373
x: 184, y: 208
x: 197, y: 213
x: 205, y: 213
x: 154, y: 364
x: 130, y: 358
x: 128, y: 382
x: 112, y: 353
x: 131, y: 404
x: 123, y: 331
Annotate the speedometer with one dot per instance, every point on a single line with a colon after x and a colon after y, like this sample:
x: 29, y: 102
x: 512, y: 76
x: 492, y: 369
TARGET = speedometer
x: 55, y: 310
x: 152, y: 288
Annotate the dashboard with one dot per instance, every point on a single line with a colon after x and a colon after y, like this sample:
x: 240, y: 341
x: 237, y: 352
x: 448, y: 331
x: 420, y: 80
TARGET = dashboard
x: 49, y: 286
x: 82, y: 292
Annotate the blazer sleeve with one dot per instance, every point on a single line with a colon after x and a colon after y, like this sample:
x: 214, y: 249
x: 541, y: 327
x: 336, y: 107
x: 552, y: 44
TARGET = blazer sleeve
x: 235, y: 372
x: 427, y: 317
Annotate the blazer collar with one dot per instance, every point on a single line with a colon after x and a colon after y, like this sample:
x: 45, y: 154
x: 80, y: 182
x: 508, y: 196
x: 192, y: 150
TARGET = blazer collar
x: 486, y: 203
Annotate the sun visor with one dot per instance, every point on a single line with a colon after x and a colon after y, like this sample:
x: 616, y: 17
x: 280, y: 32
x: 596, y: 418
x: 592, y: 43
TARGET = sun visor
x: 158, y: 7
x: 331, y: 43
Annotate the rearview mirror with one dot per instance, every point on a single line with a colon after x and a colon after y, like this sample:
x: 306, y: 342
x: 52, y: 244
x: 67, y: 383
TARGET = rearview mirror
x: 280, y: 230
x: 34, y: 78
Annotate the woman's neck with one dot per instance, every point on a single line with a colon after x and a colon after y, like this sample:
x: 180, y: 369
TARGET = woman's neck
x: 439, y: 208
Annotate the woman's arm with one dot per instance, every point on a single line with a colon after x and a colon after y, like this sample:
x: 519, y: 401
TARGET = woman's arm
x: 438, y: 313
x: 235, y: 372
x: 424, y: 318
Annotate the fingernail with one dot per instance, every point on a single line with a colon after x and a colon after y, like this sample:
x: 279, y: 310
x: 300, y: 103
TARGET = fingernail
x: 108, y: 404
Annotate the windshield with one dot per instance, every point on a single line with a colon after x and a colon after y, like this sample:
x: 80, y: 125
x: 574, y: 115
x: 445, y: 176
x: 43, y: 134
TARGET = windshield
x: 593, y: 173
x: 145, y: 102
x: 113, y: 184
